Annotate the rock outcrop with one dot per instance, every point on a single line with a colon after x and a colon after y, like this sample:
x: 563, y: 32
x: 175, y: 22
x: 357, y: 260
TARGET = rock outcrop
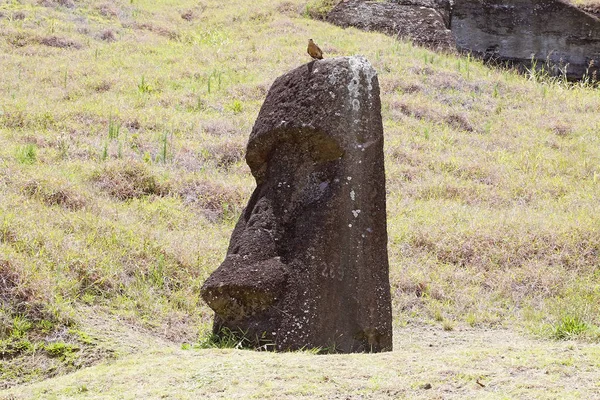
x: 307, y: 264
x: 517, y: 30
x: 557, y: 35
x: 423, y: 21
x: 443, y: 7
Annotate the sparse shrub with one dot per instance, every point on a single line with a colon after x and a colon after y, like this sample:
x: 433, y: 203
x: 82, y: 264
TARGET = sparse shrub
x: 218, y: 201
x: 188, y: 15
x: 415, y: 110
x: 448, y: 325
x: 102, y: 86
x: 10, y: 280
x: 159, y: 30
x: 128, y: 180
x: 459, y: 121
x: 44, y: 120
x: 260, y: 17
x: 224, y: 154
x: 220, y: 127
x: 7, y: 235
x: 248, y: 91
x: 133, y: 125
x: 5, y: 324
x: 20, y: 38
x: 561, y: 129
x: 108, y: 10
x: 60, y: 42
x: 108, y: 35
x: 14, y: 119
x: 56, y: 3
x: 509, y: 248
x: 19, y: 16
x: 51, y: 194
x: 287, y: 8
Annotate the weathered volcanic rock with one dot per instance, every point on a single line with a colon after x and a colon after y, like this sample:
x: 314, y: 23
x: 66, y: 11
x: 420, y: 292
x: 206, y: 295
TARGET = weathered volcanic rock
x: 517, y: 30
x: 444, y: 7
x: 426, y: 26
x: 307, y: 264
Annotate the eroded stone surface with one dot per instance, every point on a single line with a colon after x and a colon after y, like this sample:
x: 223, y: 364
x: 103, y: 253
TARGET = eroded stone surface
x: 517, y: 30
x: 558, y: 36
x: 444, y: 7
x: 425, y: 22
x: 307, y: 264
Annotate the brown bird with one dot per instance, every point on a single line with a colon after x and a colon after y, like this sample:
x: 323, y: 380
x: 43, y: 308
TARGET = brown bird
x: 314, y: 51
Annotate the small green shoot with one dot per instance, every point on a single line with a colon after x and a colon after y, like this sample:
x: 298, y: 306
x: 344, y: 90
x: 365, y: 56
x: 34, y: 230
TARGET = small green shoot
x: 164, y: 148
x: 236, y: 106
x: 144, y: 87
x: 104, y: 154
x: 113, y: 128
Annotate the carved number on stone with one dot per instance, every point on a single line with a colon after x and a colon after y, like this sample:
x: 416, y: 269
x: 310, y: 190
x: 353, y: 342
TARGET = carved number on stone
x: 330, y: 272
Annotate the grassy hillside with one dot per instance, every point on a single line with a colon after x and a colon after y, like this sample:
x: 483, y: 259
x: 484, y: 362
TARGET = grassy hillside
x: 122, y: 133
x: 425, y: 364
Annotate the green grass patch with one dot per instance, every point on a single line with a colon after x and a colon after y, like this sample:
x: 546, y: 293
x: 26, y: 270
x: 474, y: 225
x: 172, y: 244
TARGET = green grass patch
x: 569, y: 327
x: 27, y: 154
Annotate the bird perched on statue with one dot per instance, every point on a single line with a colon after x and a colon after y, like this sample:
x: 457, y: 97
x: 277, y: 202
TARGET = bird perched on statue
x: 314, y: 51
